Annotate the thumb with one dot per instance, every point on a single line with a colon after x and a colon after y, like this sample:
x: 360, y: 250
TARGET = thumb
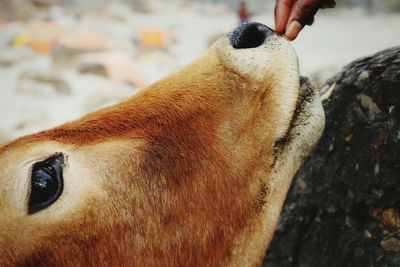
x: 302, y: 13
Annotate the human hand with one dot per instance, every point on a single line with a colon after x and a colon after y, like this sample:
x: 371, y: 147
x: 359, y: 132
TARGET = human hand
x: 292, y: 15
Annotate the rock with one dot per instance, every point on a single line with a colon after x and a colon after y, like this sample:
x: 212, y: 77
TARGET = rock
x: 85, y: 41
x: 391, y: 244
x: 115, y: 65
x: 40, y: 37
x: 9, y: 31
x: 92, y: 68
x: 9, y: 56
x: 116, y: 11
x: 35, y: 82
x: 75, y: 43
x: 362, y: 79
x: 368, y: 104
x: 348, y: 212
x: 141, y: 6
x: 156, y: 38
x: 388, y: 218
x: 44, y: 4
x: 16, y: 9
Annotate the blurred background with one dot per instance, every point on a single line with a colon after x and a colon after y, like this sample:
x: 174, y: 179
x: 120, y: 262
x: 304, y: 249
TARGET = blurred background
x: 60, y: 59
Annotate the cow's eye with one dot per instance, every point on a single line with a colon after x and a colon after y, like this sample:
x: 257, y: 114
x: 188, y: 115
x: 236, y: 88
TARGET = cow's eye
x: 46, y: 183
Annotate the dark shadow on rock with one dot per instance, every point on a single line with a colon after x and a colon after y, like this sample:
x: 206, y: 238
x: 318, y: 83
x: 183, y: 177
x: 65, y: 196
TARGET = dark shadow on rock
x: 343, y: 208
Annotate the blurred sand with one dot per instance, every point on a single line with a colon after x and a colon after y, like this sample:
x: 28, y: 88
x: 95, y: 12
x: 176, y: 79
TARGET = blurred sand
x: 337, y: 38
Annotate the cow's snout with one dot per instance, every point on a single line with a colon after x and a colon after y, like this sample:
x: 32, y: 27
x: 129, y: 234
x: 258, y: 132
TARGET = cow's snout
x: 250, y: 35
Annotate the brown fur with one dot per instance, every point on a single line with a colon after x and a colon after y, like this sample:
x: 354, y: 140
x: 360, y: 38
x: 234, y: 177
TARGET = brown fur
x: 182, y: 174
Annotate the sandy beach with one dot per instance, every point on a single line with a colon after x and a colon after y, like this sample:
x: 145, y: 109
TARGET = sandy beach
x: 30, y: 105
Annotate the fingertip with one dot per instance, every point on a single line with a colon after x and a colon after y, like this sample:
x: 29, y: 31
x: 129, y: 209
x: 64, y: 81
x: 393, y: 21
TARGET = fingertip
x: 293, y: 30
x: 279, y: 27
x: 280, y: 23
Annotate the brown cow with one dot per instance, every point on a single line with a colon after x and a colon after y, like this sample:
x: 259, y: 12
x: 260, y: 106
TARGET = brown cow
x: 191, y: 171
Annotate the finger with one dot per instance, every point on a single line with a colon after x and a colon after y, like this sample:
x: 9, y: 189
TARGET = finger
x: 293, y: 30
x: 328, y: 4
x: 303, y: 11
x: 310, y: 22
x: 282, y: 11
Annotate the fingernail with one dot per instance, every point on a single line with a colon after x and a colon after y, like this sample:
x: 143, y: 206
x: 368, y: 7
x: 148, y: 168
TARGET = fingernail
x: 293, y: 30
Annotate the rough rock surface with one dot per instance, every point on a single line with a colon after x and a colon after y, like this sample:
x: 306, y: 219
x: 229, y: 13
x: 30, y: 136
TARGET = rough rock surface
x: 343, y: 208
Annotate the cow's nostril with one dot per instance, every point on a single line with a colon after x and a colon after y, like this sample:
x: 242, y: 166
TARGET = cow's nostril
x: 249, y: 35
